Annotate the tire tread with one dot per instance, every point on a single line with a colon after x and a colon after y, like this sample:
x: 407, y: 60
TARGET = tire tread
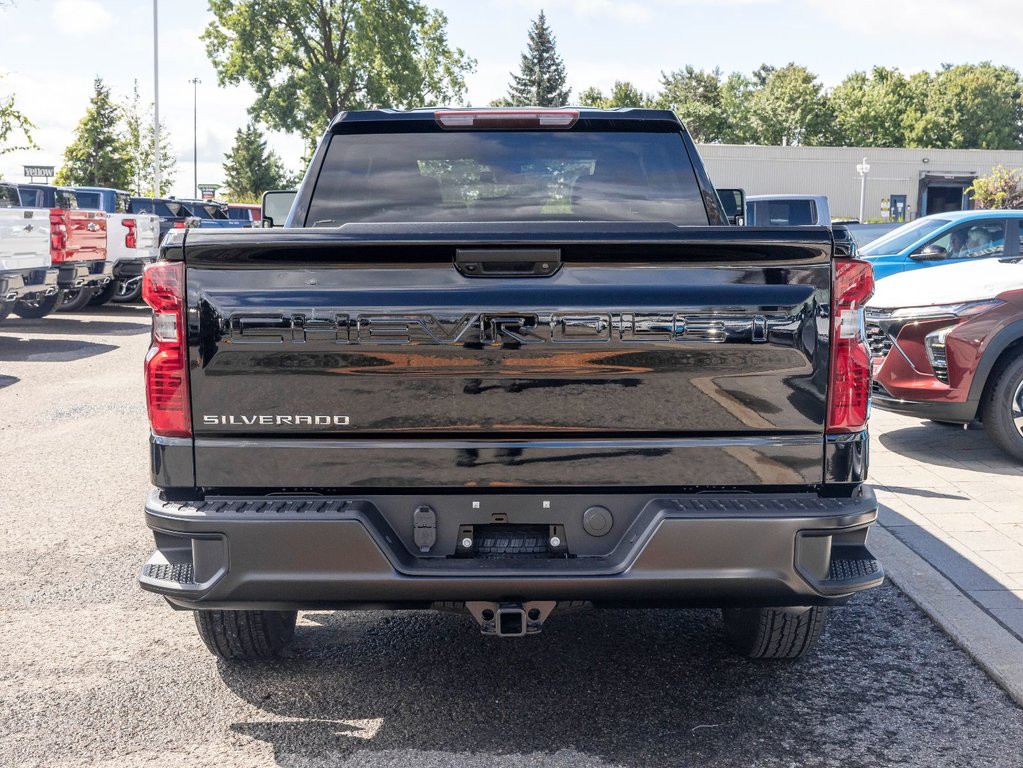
x: 245, y: 635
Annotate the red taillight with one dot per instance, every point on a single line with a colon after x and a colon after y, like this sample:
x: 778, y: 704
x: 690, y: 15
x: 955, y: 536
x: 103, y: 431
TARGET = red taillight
x: 180, y: 224
x: 167, y: 396
x: 849, y: 386
x: 504, y: 119
x: 58, y: 236
x: 131, y: 239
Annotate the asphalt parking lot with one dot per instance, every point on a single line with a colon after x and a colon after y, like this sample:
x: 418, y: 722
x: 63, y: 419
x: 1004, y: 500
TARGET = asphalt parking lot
x: 96, y: 672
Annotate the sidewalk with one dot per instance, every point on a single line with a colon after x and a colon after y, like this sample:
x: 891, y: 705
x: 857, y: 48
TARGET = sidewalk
x: 957, y: 501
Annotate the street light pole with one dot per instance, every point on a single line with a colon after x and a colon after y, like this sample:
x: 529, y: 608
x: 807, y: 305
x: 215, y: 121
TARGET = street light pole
x: 195, y: 135
x: 863, y: 169
x: 156, y: 100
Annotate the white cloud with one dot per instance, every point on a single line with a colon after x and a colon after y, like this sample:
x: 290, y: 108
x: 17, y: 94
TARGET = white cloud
x: 634, y: 11
x: 80, y: 18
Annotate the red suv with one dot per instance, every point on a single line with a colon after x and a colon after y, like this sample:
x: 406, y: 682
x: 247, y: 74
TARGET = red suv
x: 947, y: 345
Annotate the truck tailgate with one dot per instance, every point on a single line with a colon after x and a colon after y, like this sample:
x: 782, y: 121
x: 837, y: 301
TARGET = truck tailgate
x: 696, y: 358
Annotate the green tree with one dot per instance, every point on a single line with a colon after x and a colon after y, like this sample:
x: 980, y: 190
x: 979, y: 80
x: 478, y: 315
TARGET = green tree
x: 250, y: 169
x: 98, y: 155
x: 307, y: 60
x: 736, y: 94
x: 870, y: 109
x: 695, y: 95
x: 13, y: 122
x: 1001, y: 188
x: 970, y: 106
x: 541, y: 79
x: 623, y: 94
x: 139, y: 139
x: 790, y: 107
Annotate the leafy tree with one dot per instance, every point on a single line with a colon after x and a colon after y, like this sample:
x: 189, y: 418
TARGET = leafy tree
x: 970, y: 106
x: 696, y: 97
x: 870, y: 109
x: 736, y: 94
x: 139, y: 137
x: 98, y: 156
x: 541, y: 78
x: 1002, y: 188
x: 13, y: 122
x: 250, y: 169
x: 623, y: 94
x: 307, y: 60
x: 790, y: 108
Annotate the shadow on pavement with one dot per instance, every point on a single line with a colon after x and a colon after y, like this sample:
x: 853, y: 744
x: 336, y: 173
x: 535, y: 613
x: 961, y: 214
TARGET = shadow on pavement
x: 971, y: 579
x: 6, y: 381
x: 649, y: 688
x: 75, y: 325
x: 14, y: 350
x: 949, y: 447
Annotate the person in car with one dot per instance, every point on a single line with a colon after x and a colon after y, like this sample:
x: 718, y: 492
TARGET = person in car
x: 957, y: 245
x: 979, y: 240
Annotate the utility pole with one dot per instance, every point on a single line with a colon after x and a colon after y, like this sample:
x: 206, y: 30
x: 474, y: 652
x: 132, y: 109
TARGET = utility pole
x: 156, y: 100
x: 195, y: 135
x: 863, y: 169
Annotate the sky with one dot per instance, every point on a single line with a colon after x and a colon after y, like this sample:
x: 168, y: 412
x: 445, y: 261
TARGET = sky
x: 51, y: 50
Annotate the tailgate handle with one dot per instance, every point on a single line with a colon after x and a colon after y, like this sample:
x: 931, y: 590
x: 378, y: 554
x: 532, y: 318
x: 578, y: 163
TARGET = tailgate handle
x: 508, y: 262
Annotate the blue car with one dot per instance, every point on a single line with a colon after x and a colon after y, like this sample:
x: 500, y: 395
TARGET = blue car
x: 945, y: 238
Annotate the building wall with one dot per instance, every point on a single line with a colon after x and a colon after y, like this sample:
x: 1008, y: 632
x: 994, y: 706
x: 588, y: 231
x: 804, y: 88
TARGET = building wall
x: 831, y: 171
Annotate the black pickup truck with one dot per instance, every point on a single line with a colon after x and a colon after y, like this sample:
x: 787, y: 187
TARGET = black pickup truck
x: 508, y: 362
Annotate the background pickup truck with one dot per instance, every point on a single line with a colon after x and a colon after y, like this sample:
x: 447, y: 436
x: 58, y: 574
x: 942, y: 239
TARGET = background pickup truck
x: 78, y: 249
x: 506, y: 362
x: 133, y: 240
x: 25, y: 270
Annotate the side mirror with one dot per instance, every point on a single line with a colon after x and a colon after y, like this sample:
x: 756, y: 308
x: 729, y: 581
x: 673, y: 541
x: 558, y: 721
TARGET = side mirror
x: 734, y: 203
x: 930, y: 252
x: 276, y: 205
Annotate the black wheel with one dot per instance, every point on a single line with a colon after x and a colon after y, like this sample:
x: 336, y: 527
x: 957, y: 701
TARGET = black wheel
x: 76, y: 299
x: 774, y: 633
x: 245, y: 635
x: 1001, y: 410
x: 33, y: 309
x: 128, y: 290
x: 104, y: 294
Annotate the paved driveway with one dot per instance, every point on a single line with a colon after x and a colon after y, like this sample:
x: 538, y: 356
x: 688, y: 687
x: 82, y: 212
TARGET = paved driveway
x: 95, y: 672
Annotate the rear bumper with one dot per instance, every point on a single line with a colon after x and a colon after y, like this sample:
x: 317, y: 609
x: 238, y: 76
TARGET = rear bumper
x: 330, y: 552
x: 27, y: 283
x: 79, y: 274
x: 128, y: 268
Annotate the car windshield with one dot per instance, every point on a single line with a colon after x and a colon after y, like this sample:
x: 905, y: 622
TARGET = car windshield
x: 900, y: 239
x: 507, y: 176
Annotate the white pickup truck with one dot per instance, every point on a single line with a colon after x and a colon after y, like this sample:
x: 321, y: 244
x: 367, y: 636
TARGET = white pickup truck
x: 26, y: 273
x: 133, y: 240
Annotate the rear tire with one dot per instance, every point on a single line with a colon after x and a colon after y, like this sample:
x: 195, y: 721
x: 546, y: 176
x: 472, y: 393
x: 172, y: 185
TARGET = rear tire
x: 76, y: 299
x: 246, y: 635
x: 774, y: 633
x: 128, y: 291
x: 1001, y: 410
x: 37, y: 308
x: 104, y: 294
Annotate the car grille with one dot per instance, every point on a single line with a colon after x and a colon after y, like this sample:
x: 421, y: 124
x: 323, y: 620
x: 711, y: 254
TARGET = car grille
x: 880, y: 343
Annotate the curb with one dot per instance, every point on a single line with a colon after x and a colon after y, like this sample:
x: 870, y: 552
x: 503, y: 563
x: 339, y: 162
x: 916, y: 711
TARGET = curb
x: 993, y: 647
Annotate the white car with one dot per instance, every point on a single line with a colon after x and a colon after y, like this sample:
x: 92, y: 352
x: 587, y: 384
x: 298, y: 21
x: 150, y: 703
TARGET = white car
x: 787, y: 210
x: 133, y: 240
x: 26, y: 274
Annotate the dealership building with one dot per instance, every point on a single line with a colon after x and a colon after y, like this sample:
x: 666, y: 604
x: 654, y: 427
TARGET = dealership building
x: 900, y: 185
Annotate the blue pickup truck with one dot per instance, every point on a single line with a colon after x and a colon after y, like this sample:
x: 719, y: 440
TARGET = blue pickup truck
x: 945, y: 238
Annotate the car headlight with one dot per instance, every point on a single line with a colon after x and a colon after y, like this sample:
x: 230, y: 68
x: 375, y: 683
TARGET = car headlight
x: 935, y: 311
